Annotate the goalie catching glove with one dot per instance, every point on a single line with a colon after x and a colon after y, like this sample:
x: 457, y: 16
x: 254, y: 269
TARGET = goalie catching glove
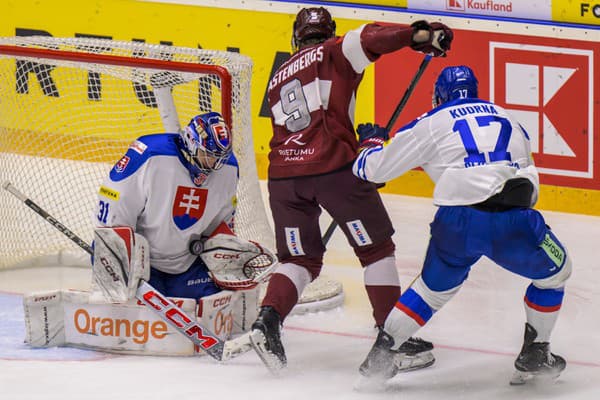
x: 235, y: 263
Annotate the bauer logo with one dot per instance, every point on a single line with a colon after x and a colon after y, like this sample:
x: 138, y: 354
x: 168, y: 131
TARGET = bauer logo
x: 188, y: 206
x: 550, y: 91
x: 292, y: 239
x: 359, y: 233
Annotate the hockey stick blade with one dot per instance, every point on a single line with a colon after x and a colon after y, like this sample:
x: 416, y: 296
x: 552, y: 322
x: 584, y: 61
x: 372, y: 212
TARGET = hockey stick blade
x: 150, y: 297
x: 389, y: 125
x: 178, y: 319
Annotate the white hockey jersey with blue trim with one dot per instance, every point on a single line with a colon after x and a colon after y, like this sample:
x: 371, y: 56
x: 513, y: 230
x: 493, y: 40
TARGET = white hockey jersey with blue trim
x: 150, y: 189
x: 468, y: 147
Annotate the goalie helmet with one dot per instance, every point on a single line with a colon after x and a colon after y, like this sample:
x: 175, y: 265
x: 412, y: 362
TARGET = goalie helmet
x: 454, y: 83
x: 206, y: 144
x: 313, y: 23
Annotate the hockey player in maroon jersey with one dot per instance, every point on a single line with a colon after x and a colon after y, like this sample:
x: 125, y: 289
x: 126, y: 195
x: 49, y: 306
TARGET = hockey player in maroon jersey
x: 312, y: 100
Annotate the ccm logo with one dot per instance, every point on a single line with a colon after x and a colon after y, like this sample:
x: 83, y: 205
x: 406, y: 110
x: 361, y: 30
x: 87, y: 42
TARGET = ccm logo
x: 177, y: 302
x: 44, y: 298
x: 222, y: 301
x: 226, y: 256
x: 109, y: 269
x: 179, y: 319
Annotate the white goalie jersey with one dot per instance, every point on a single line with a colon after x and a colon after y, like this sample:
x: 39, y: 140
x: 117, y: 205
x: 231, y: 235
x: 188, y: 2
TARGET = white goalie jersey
x: 468, y: 147
x: 150, y: 190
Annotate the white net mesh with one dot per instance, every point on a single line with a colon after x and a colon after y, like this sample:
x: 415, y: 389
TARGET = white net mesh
x: 69, y: 108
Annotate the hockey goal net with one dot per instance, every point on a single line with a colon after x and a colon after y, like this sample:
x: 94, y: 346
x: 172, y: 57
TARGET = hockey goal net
x: 70, y: 107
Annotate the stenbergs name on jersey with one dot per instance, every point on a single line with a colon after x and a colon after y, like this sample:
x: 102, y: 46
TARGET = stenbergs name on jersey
x: 295, y: 154
x: 297, y: 63
x: 125, y: 328
x: 460, y: 112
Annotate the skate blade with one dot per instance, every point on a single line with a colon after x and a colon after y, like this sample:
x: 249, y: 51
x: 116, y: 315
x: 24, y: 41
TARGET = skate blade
x: 236, y: 347
x: 411, y: 363
x: 271, y: 361
x: 521, y: 377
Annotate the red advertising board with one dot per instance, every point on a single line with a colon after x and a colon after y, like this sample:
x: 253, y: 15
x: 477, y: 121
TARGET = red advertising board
x: 546, y: 83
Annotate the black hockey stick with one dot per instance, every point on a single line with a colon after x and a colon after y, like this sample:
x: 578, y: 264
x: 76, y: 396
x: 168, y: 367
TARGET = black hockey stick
x: 152, y: 298
x: 389, y: 125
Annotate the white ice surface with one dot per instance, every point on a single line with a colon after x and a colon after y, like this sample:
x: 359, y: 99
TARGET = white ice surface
x: 477, y: 336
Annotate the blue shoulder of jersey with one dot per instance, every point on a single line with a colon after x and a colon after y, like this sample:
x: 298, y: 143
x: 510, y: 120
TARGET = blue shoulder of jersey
x: 140, y: 151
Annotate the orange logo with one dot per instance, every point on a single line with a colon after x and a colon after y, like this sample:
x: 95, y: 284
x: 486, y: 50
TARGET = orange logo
x: 139, y: 330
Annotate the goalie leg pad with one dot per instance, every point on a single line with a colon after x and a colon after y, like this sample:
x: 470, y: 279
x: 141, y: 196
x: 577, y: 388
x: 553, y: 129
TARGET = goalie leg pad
x: 44, y: 319
x: 121, y: 260
x: 230, y: 314
x: 72, y: 318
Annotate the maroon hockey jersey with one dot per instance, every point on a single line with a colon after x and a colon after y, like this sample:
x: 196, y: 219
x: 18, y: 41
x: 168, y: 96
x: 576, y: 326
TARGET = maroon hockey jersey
x: 312, y: 100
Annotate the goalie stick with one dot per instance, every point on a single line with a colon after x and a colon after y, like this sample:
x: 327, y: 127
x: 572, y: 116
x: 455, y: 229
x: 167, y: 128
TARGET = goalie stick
x: 388, y: 126
x: 148, y: 295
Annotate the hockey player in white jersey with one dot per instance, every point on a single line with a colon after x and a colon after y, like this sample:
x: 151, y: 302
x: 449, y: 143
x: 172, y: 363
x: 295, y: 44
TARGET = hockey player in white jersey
x: 175, y: 190
x: 485, y: 187
x: 165, y: 215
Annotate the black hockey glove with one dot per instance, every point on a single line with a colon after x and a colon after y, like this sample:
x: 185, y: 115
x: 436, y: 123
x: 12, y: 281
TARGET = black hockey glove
x: 371, y: 135
x: 431, y: 38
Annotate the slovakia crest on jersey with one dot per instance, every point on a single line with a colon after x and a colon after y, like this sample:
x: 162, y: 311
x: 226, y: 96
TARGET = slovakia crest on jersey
x: 188, y: 206
x: 122, y: 164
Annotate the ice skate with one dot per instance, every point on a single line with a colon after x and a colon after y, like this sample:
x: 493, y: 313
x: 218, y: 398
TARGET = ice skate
x: 265, y: 338
x: 414, y: 354
x: 380, y: 363
x: 536, y: 361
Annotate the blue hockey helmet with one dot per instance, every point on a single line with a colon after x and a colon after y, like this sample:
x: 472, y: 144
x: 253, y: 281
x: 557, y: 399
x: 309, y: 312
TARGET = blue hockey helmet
x: 207, y: 144
x: 457, y: 82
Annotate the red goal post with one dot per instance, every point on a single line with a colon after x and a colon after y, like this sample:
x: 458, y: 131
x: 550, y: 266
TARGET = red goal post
x: 70, y: 107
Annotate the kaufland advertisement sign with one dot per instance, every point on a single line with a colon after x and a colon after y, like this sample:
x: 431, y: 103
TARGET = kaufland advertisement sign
x: 547, y: 84
x: 535, y: 9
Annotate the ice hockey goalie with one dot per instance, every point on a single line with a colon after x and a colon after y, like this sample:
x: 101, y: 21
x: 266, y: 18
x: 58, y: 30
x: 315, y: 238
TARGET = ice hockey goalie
x: 109, y: 318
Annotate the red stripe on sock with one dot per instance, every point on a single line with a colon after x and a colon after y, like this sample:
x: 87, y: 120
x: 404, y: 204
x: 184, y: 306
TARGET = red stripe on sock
x: 410, y: 313
x: 539, y: 308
